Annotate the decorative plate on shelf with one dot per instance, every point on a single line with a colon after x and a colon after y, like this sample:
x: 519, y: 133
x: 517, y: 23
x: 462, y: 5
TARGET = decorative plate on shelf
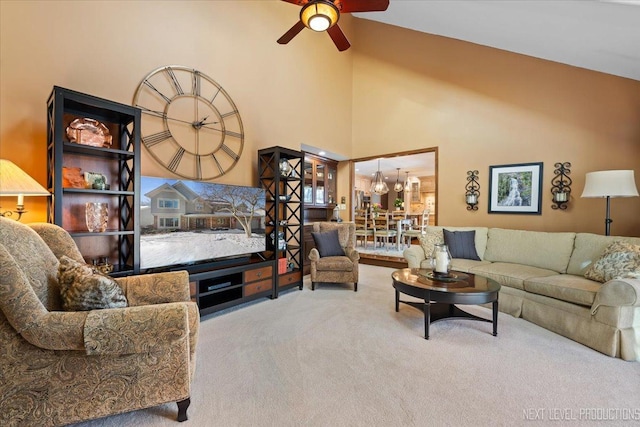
x: 88, y: 131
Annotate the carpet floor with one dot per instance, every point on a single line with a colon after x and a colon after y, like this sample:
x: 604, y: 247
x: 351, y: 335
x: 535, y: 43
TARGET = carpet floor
x: 334, y: 357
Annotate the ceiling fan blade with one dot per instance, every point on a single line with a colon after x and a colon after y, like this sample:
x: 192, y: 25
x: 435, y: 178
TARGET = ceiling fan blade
x: 296, y: 2
x: 349, y: 6
x: 293, y: 31
x: 339, y: 38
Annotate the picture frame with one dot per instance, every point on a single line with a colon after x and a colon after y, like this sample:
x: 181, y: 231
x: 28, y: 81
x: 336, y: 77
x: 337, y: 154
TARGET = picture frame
x: 516, y: 188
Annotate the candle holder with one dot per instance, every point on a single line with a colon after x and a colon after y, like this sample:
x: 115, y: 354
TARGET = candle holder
x: 561, y: 186
x: 472, y: 191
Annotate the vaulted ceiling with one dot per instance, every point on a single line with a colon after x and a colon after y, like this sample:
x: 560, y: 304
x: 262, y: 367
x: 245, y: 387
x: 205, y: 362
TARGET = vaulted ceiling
x: 597, y: 35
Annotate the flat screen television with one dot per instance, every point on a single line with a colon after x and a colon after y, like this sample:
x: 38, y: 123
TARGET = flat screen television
x: 186, y: 222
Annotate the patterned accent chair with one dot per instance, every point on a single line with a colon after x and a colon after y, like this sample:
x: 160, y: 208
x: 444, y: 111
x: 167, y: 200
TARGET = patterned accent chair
x: 62, y: 367
x: 336, y: 269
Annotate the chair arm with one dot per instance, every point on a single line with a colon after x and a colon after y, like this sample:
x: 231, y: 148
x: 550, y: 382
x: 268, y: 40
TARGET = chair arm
x: 353, y: 254
x: 414, y: 256
x: 135, y: 329
x: 617, y: 293
x: 158, y: 288
x: 314, y: 255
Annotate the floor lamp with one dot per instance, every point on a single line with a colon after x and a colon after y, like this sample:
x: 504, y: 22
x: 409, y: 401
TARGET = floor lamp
x: 616, y: 183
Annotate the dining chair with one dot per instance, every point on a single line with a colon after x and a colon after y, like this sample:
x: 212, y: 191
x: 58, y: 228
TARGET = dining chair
x: 383, y: 228
x: 414, y: 232
x: 364, y: 227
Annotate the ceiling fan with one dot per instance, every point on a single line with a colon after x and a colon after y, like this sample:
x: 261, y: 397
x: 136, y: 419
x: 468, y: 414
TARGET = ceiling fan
x: 323, y: 15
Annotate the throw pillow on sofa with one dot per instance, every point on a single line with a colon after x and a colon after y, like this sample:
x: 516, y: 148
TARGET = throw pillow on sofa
x: 619, y: 260
x: 83, y: 289
x: 429, y: 240
x: 462, y: 244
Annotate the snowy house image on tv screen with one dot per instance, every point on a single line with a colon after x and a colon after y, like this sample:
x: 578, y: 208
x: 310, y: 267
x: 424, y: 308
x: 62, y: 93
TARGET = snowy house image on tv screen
x: 184, y: 222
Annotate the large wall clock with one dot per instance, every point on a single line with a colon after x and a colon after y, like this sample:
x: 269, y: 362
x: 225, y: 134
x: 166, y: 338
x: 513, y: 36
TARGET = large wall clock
x: 190, y: 125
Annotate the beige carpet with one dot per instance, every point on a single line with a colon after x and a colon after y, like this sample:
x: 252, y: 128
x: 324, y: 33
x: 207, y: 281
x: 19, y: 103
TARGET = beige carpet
x: 334, y: 357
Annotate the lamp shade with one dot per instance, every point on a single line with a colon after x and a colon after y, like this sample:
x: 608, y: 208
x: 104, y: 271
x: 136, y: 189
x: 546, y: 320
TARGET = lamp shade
x: 15, y: 182
x: 614, y: 183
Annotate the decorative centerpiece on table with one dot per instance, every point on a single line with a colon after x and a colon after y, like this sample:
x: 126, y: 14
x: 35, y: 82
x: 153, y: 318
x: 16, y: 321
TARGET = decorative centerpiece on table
x: 375, y: 209
x: 398, y: 203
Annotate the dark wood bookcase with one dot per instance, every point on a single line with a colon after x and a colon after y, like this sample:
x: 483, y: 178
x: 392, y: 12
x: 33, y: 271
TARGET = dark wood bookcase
x: 119, y: 163
x: 280, y: 174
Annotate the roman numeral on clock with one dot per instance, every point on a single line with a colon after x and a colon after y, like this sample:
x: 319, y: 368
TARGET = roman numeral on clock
x: 177, y: 158
x: 230, y: 152
x: 234, y: 134
x: 156, y: 138
x: 220, y: 168
x: 152, y: 87
x: 230, y: 113
x: 196, y: 83
x: 174, y: 81
x: 198, y: 167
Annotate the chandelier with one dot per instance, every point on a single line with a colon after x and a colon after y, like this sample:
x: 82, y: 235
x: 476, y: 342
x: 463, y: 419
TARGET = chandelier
x: 378, y: 186
x: 398, y: 187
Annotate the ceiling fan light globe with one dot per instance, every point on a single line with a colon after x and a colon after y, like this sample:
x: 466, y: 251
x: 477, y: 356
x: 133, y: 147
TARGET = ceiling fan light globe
x: 319, y: 23
x: 319, y: 15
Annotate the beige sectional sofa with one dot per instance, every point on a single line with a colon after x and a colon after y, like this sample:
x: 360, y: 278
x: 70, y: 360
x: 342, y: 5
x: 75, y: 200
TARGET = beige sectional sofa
x: 542, y: 278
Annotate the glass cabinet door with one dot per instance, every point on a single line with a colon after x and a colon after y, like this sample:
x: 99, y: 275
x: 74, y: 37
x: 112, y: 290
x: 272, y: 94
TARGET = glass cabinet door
x: 332, y: 174
x: 320, y: 189
x: 308, y: 182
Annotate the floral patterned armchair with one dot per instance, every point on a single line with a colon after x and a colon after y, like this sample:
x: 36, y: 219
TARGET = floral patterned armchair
x: 336, y: 269
x: 62, y: 367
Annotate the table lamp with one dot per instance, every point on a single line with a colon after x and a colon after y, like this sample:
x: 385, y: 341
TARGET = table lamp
x: 15, y: 182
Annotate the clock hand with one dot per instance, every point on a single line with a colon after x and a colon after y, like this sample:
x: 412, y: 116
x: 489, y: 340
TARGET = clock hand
x: 196, y: 125
x: 161, y: 114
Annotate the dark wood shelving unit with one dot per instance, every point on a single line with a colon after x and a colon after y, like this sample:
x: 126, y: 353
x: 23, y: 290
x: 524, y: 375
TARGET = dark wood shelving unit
x: 120, y: 163
x: 280, y: 174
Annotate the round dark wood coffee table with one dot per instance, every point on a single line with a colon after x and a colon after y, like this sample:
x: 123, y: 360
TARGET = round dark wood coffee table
x: 440, y: 294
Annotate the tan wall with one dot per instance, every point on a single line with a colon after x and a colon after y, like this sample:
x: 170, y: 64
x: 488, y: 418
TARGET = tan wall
x: 395, y: 90
x: 286, y: 95
x: 482, y: 107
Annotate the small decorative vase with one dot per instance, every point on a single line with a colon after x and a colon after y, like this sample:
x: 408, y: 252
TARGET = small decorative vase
x: 97, y: 215
x: 285, y: 167
x: 441, y: 260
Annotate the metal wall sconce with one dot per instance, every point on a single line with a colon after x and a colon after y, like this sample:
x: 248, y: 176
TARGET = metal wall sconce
x: 472, y: 191
x: 561, y: 186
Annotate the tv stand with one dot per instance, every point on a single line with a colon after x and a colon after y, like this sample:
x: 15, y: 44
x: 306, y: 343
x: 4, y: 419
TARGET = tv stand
x: 218, y: 286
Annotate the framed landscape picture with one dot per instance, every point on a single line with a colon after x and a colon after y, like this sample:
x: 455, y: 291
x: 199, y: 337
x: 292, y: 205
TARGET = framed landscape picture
x: 515, y: 188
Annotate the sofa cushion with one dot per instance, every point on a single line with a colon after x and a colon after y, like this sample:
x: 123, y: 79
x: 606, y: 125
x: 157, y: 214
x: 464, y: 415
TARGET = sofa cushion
x: 327, y: 243
x: 331, y: 263
x: 549, y: 251
x: 465, y: 265
x: 511, y: 275
x: 589, y: 247
x: 82, y: 288
x: 461, y: 244
x: 565, y: 287
x: 429, y: 240
x: 620, y: 260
